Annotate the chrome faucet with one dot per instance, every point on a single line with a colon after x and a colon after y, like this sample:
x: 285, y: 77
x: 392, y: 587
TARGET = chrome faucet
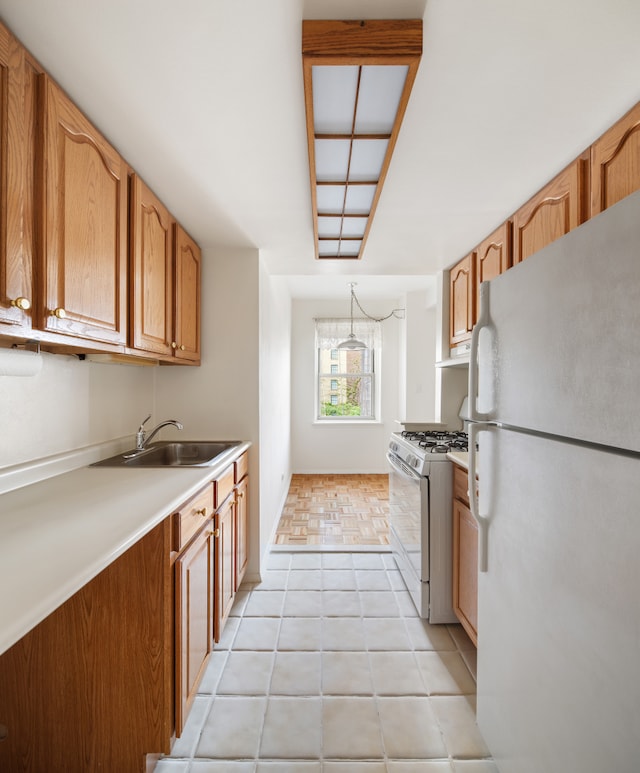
x: 142, y: 439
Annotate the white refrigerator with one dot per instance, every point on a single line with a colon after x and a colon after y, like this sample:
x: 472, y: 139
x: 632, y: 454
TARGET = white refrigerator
x: 555, y: 405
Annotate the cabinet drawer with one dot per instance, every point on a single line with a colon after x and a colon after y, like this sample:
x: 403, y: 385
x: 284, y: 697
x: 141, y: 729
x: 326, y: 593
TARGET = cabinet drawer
x: 241, y: 467
x: 223, y: 485
x: 192, y: 516
x: 460, y: 484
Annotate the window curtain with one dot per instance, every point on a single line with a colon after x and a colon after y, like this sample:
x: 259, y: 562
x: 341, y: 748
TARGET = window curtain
x: 331, y: 332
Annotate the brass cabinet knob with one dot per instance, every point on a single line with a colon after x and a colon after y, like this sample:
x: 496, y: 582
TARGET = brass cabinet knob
x: 216, y: 533
x: 22, y: 303
x: 202, y: 511
x: 182, y: 347
x: 240, y: 494
x: 60, y: 313
x: 174, y: 345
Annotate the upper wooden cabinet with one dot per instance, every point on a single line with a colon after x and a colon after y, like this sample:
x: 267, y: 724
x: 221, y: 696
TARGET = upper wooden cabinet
x: 165, y: 281
x: 493, y: 257
x: 84, y: 261
x: 18, y: 91
x: 615, y: 162
x: 186, y: 338
x: 151, y: 271
x: 554, y: 211
x: 461, y: 299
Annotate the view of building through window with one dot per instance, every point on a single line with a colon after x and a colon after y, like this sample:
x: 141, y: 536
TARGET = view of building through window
x: 345, y: 383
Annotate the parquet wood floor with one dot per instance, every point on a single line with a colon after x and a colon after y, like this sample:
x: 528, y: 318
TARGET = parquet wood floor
x: 335, y: 510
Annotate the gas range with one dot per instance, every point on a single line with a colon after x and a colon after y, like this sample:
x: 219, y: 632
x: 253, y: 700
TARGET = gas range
x: 420, y: 449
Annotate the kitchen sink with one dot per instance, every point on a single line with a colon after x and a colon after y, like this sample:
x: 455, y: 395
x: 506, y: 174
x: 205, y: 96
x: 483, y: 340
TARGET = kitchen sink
x: 188, y: 453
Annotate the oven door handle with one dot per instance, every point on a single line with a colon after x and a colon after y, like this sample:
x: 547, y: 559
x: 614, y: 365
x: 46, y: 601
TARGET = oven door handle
x: 402, y: 468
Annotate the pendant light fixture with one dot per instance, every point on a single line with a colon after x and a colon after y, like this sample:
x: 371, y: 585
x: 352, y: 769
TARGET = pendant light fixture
x: 352, y: 343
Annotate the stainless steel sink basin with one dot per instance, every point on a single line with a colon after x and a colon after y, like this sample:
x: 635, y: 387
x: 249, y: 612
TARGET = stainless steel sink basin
x: 188, y: 453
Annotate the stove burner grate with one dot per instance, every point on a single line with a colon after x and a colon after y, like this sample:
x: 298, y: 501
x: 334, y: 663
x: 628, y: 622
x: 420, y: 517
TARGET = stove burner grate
x: 437, y: 441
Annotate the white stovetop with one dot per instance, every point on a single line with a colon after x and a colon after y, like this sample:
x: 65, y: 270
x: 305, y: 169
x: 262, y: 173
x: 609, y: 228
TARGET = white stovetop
x: 58, y: 534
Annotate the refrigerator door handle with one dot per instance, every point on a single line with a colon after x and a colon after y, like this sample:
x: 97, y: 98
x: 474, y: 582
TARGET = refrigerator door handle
x: 481, y: 520
x: 483, y: 322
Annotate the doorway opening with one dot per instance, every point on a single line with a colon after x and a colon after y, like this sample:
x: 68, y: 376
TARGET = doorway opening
x: 334, y: 513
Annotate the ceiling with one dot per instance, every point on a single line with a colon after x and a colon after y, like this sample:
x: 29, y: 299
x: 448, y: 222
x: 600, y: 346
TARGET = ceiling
x: 205, y: 99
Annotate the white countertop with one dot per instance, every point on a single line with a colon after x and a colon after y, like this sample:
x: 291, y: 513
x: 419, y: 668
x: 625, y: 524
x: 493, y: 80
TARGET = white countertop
x: 58, y: 534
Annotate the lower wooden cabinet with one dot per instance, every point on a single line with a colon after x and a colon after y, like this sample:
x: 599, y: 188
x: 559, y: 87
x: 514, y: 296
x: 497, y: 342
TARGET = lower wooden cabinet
x: 465, y: 557
x: 90, y: 687
x: 224, y: 563
x: 241, y: 547
x: 194, y: 619
x: 122, y: 658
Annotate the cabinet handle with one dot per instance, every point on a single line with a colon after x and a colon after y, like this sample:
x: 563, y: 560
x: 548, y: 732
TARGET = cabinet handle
x: 216, y: 533
x: 174, y: 345
x: 202, y: 511
x: 182, y: 347
x: 22, y: 303
x: 60, y: 313
x: 240, y: 494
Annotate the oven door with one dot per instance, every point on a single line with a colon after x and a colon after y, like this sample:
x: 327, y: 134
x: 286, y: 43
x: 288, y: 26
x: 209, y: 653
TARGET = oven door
x: 409, y: 529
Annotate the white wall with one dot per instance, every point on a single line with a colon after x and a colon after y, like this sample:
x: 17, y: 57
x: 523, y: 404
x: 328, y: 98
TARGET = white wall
x: 70, y: 404
x: 417, y: 358
x: 275, y: 402
x: 330, y: 447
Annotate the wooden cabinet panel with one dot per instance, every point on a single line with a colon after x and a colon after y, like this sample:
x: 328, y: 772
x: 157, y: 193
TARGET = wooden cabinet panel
x: 18, y: 105
x: 615, y: 162
x: 194, y: 620
x: 151, y: 271
x: 186, y: 338
x: 224, y: 564
x: 223, y: 486
x: 193, y: 515
x: 460, y: 484
x: 85, y: 226
x: 554, y: 211
x: 493, y: 257
x: 465, y: 569
x: 241, y: 467
x: 240, y: 530
x: 461, y: 300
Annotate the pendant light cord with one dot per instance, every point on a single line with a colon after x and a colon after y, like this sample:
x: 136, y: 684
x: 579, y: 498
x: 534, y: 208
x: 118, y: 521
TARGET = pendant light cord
x: 368, y: 316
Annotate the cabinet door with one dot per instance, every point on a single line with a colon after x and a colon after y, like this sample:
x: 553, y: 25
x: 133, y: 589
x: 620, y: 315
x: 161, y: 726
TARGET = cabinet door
x: 85, y: 227
x: 186, y: 340
x: 493, y: 257
x: 224, y: 565
x: 465, y: 569
x: 615, y: 162
x: 194, y: 615
x: 241, y: 552
x: 554, y: 211
x: 151, y: 271
x: 18, y: 81
x: 461, y: 296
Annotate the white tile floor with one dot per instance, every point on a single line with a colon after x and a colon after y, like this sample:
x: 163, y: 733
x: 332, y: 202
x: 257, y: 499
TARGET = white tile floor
x: 325, y: 667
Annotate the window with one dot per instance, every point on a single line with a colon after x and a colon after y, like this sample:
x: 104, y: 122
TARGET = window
x: 346, y: 379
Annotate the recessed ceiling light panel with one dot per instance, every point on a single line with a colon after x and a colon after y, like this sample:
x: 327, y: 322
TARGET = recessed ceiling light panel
x: 357, y: 78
